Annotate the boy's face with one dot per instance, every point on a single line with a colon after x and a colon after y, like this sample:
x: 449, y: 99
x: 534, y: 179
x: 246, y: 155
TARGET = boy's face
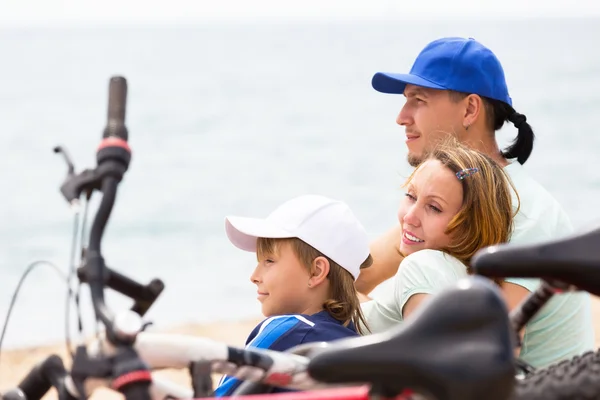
x: 281, y: 282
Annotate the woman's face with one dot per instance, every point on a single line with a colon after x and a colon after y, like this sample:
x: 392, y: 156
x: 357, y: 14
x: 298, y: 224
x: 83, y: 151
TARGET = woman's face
x: 432, y: 199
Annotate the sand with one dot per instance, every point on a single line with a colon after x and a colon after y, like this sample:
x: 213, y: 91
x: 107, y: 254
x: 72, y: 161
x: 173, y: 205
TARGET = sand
x: 15, y: 363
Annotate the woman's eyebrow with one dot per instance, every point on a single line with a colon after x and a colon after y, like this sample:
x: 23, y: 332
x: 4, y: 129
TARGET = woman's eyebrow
x: 437, y: 197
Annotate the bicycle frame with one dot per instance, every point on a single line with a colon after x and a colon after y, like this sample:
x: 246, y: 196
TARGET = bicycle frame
x: 162, y: 389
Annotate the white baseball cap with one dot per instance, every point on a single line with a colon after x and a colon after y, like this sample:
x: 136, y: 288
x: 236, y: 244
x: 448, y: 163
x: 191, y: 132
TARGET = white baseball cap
x: 327, y: 225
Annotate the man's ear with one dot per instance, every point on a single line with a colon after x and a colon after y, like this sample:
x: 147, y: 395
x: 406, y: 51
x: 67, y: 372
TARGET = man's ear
x: 319, y: 270
x: 473, y: 109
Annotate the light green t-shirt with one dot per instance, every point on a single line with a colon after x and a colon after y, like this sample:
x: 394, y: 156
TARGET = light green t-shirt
x: 425, y: 271
x: 562, y: 329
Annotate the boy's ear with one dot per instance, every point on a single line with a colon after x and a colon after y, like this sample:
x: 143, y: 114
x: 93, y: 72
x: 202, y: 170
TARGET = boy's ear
x: 318, y: 271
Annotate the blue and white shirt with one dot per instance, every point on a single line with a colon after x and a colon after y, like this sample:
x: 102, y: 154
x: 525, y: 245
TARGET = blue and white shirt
x: 283, y: 332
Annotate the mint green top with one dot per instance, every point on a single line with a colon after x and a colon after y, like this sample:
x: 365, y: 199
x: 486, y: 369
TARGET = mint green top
x: 562, y: 329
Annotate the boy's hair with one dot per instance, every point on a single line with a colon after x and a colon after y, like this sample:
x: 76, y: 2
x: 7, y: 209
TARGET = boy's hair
x: 486, y: 215
x: 343, y: 303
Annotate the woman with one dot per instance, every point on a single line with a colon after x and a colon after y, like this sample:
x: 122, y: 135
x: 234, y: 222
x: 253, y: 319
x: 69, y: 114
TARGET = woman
x: 445, y: 219
x: 458, y: 201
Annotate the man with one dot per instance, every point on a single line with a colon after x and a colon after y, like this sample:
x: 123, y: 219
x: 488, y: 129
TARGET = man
x: 457, y: 86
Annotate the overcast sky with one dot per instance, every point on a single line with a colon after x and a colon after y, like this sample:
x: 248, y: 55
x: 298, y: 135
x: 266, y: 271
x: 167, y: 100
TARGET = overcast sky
x: 58, y: 12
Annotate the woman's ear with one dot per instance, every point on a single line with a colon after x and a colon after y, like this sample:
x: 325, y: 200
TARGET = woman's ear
x: 318, y: 271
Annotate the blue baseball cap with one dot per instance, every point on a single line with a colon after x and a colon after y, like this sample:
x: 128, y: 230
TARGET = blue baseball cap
x: 452, y: 63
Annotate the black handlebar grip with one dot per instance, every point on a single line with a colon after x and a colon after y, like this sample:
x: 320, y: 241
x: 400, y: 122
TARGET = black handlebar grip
x: 117, y: 101
x: 41, y: 378
x: 137, y: 391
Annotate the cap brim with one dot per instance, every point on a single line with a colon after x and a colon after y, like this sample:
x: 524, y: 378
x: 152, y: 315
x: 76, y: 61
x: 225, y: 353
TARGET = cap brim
x: 243, y: 232
x: 385, y: 82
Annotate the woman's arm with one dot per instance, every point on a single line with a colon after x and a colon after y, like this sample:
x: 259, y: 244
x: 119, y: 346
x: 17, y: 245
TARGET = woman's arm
x: 420, y: 274
x: 513, y: 296
x: 363, y: 297
x: 385, y: 251
x: 413, y: 303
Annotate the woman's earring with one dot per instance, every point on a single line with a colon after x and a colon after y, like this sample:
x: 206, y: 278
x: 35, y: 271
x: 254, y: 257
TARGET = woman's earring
x: 467, y: 127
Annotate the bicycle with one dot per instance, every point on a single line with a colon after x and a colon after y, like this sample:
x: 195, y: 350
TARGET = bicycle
x: 469, y: 357
x: 567, y: 264
x: 124, y: 357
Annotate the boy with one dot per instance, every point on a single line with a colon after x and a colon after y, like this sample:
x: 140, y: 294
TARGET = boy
x: 310, y: 251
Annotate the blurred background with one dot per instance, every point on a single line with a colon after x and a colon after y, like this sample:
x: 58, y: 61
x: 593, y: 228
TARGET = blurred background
x: 236, y: 106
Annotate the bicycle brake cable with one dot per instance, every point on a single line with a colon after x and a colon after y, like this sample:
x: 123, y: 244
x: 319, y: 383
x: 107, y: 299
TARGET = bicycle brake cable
x: 66, y: 278
x: 29, y: 268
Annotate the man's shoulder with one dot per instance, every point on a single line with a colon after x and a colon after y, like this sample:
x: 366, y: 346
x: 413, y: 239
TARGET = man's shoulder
x: 530, y: 191
x: 540, y: 215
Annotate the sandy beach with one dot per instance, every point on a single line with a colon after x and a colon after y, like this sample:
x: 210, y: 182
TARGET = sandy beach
x: 15, y: 363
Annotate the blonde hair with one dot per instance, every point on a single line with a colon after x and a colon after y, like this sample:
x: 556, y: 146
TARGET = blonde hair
x: 343, y: 303
x: 486, y: 215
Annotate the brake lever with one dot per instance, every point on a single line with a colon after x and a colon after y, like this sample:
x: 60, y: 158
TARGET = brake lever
x: 201, y: 376
x: 71, y: 168
x: 73, y: 184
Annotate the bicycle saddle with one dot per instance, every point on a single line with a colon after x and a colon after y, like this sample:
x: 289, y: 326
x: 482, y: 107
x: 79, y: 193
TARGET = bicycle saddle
x: 457, y: 345
x: 574, y: 260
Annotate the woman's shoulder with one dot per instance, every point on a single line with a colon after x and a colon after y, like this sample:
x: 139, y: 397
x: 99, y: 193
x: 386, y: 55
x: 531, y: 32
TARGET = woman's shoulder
x: 430, y: 257
x: 432, y: 264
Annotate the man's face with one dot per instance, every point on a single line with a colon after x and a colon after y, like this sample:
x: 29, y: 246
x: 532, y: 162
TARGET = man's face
x: 428, y: 116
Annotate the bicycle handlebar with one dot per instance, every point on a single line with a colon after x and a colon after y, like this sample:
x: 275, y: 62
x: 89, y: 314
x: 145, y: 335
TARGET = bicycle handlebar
x: 113, y: 157
x: 117, y: 104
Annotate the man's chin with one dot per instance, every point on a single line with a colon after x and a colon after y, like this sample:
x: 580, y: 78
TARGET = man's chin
x: 414, y: 159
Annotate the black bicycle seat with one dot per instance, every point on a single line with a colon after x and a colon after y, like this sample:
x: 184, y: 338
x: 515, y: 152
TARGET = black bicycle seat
x: 574, y: 260
x: 457, y: 345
